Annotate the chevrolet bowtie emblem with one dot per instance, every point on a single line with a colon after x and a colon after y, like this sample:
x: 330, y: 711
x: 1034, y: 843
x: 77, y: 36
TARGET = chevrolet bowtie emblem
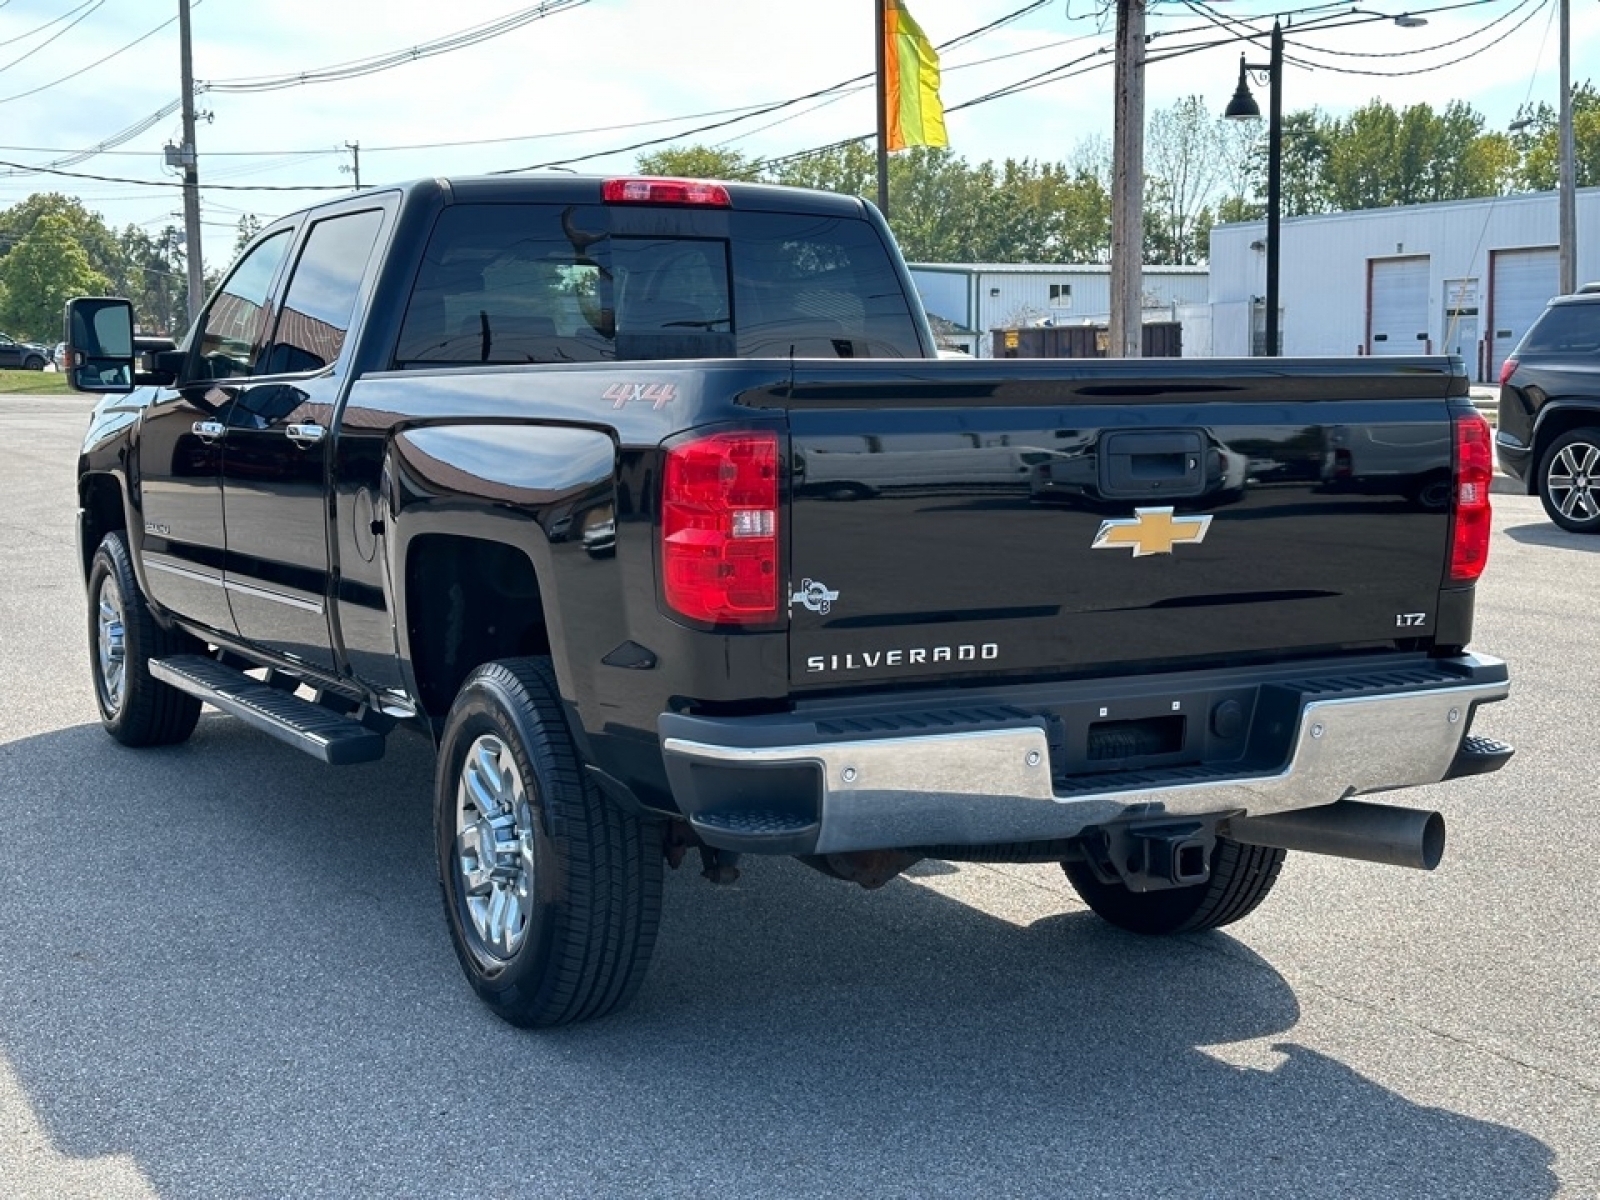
x: 1150, y: 531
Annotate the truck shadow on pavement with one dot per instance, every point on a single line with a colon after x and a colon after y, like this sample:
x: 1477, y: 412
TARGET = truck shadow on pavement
x: 228, y: 963
x: 1546, y: 534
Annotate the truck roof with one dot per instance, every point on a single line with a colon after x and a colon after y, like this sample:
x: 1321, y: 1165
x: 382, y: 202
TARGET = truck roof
x: 585, y: 189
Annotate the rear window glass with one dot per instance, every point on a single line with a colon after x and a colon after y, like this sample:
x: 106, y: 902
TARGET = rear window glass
x: 1564, y: 329
x: 504, y: 284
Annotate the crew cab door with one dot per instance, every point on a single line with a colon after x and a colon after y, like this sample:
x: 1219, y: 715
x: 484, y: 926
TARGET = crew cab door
x: 280, y: 434
x: 180, y: 445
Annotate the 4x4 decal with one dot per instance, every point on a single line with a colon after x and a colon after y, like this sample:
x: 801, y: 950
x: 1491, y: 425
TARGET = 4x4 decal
x: 657, y: 395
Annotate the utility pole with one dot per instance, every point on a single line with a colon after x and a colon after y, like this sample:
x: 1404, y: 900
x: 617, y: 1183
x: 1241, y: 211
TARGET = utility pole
x: 355, y: 168
x: 1567, y: 198
x: 1126, y: 332
x: 189, y: 159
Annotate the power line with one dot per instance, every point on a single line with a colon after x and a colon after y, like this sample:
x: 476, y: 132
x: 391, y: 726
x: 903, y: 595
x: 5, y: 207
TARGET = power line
x: 459, y: 40
x: 38, y: 29
x: 90, y: 7
x: 97, y: 62
x: 1480, y: 30
x: 843, y: 84
x: 173, y: 183
x: 115, y: 139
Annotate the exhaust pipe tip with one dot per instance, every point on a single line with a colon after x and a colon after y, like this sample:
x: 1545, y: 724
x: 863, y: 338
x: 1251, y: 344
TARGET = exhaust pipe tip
x: 1380, y: 833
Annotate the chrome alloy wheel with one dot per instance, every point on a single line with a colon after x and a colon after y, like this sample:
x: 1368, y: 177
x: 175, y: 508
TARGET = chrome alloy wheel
x: 494, y: 849
x: 1573, y: 479
x: 111, y: 647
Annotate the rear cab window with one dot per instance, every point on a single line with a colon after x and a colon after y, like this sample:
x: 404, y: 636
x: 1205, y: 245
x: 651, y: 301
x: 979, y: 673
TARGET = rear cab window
x: 522, y: 283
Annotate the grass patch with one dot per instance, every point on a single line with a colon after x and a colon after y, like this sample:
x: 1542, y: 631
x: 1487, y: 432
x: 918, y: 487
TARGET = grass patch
x: 33, y: 383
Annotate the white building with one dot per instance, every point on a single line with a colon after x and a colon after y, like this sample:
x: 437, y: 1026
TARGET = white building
x: 1465, y: 277
x: 977, y: 298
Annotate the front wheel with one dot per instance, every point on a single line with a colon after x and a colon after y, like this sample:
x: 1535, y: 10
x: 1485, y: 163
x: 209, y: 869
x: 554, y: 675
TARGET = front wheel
x: 136, y: 708
x: 33, y: 363
x: 1569, y: 481
x: 1241, y: 877
x: 552, y: 892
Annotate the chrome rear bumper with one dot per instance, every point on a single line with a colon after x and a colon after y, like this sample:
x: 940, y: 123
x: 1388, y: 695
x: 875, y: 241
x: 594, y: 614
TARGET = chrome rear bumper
x: 994, y: 785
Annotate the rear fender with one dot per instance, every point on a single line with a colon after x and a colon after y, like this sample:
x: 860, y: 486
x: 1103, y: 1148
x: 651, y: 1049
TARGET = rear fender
x: 471, y: 492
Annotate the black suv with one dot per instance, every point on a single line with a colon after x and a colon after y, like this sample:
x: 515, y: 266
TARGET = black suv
x: 29, y: 356
x: 1549, y: 436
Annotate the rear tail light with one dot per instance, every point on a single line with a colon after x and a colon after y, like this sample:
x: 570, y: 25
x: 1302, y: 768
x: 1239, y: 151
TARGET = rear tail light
x: 646, y: 190
x: 1507, y: 369
x: 1470, y: 517
x: 719, y: 528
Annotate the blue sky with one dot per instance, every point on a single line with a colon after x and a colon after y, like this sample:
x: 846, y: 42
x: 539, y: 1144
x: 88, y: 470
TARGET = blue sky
x: 599, y: 76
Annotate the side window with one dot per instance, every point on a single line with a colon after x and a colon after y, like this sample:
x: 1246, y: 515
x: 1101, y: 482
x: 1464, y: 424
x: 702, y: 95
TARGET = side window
x: 316, y: 311
x: 231, y: 324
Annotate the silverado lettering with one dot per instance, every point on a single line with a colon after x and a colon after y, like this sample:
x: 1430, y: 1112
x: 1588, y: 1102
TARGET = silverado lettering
x: 434, y: 524
x: 867, y: 659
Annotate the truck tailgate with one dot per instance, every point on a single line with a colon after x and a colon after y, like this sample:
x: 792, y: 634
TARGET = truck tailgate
x: 964, y: 524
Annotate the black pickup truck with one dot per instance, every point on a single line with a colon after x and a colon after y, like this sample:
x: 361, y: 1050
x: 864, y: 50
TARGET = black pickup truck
x: 650, y: 502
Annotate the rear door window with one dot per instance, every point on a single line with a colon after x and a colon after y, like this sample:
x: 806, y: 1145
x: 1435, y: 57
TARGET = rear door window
x: 524, y: 283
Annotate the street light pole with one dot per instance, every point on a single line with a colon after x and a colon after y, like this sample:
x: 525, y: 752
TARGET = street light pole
x: 1274, y: 185
x: 1243, y: 105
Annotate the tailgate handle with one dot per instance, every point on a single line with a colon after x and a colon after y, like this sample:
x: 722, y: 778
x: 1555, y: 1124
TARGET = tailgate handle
x: 1164, y: 463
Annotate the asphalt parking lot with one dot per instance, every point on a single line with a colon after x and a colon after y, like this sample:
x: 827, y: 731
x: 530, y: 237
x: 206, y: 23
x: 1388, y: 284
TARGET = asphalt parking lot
x: 224, y: 973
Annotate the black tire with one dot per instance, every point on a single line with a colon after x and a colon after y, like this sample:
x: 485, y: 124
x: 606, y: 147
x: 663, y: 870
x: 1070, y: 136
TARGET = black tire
x: 135, y: 707
x: 1241, y: 877
x: 576, y: 879
x: 33, y: 363
x: 1569, y: 480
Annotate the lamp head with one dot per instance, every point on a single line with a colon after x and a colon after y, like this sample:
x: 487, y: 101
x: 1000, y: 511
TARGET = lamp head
x: 1243, y: 106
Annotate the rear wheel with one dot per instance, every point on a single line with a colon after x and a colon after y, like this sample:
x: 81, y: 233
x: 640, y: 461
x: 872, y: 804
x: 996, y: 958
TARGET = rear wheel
x: 136, y: 708
x: 1569, y: 480
x: 1241, y: 877
x: 552, y: 891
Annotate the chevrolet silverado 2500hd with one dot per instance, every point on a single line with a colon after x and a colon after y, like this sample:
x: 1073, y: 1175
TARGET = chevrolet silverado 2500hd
x: 650, y: 503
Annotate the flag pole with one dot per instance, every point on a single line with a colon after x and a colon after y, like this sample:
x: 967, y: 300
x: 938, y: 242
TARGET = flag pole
x: 880, y: 22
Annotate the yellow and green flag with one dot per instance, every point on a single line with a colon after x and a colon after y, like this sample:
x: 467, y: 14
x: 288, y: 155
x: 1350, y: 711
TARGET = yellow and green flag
x: 911, y: 82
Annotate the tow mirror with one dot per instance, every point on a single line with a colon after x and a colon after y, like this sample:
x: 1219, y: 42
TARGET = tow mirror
x: 99, y: 344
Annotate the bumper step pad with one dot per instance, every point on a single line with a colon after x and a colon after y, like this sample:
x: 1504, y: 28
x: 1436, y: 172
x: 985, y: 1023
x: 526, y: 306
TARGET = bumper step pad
x: 1478, y: 756
x: 336, y: 739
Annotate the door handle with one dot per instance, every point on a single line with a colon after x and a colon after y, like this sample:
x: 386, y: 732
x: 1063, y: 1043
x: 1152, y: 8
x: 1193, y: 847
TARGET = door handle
x: 305, y: 435
x: 208, y: 431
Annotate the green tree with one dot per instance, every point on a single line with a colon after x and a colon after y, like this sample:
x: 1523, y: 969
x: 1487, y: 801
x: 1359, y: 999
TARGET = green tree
x: 851, y: 170
x: 89, y: 229
x: 157, y: 285
x: 249, y: 225
x: 1540, y: 143
x: 1379, y: 156
x: 698, y: 162
x: 1183, y: 159
x: 1308, y: 137
x: 44, y: 270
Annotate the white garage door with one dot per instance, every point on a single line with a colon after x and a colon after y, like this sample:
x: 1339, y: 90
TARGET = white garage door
x: 1399, y: 320
x: 1520, y: 281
